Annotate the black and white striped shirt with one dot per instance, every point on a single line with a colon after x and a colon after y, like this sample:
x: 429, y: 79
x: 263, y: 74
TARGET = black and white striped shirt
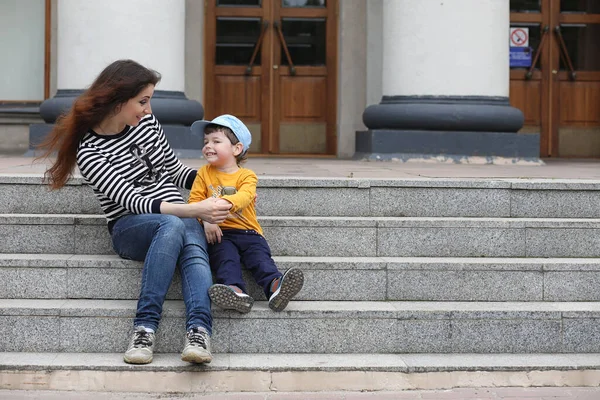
x: 133, y: 171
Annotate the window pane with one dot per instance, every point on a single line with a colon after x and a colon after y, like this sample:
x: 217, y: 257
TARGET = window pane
x: 525, y: 5
x: 303, y: 3
x: 305, y: 39
x: 241, y: 3
x: 583, y: 46
x: 236, y: 38
x: 580, y: 6
x: 22, y: 47
x: 535, y: 36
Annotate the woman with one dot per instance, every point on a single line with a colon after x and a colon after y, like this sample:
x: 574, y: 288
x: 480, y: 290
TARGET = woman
x: 123, y: 154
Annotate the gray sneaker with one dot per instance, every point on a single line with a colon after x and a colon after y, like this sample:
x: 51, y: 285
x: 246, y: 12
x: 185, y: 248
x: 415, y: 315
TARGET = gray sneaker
x: 230, y: 298
x: 197, y: 346
x: 140, y: 347
x: 284, y: 288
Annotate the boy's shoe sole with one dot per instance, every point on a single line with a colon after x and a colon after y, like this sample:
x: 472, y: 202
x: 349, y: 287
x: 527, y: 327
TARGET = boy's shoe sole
x: 226, y: 298
x: 291, y: 283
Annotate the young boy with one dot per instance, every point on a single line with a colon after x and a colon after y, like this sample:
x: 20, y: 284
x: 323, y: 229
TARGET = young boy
x: 238, y: 240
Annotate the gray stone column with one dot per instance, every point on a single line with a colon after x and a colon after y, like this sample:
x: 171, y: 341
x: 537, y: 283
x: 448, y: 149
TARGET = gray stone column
x: 92, y: 34
x: 445, y: 82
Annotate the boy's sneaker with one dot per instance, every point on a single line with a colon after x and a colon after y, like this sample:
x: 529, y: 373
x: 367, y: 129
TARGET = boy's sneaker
x: 230, y: 298
x: 197, y: 346
x: 284, y: 288
x: 140, y: 347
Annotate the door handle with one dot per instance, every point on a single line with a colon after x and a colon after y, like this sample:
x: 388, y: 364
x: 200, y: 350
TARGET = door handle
x: 529, y: 73
x: 257, y: 47
x: 564, y: 54
x: 277, y: 27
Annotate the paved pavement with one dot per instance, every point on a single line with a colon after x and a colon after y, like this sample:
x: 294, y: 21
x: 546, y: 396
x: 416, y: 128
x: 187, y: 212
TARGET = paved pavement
x: 456, y: 394
x: 334, y: 168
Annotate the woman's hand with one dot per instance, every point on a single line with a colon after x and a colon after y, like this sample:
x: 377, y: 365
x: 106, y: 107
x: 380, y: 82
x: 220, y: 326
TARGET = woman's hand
x: 213, y: 210
x: 213, y: 232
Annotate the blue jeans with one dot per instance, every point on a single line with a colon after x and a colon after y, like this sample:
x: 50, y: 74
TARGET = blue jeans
x: 165, y: 242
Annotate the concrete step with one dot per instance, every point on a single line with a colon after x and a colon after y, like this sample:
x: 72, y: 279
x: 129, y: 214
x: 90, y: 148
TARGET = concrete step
x: 276, y: 373
x: 419, y: 197
x: 62, y: 276
x: 340, y: 236
x: 321, y: 327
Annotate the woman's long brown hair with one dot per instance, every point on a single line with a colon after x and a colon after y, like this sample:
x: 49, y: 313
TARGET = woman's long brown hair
x: 118, y: 83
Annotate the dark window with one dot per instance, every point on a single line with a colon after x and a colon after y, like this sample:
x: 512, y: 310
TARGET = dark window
x: 303, y: 3
x: 239, y: 3
x: 306, y: 40
x: 525, y: 6
x: 236, y: 38
x: 583, y: 45
x: 580, y: 6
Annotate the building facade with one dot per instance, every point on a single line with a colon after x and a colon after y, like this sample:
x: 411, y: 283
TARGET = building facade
x: 452, y: 80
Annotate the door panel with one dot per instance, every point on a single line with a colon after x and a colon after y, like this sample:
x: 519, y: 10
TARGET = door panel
x: 272, y: 63
x: 305, y: 99
x: 581, y: 100
x: 239, y: 96
x: 566, y: 79
x: 526, y: 96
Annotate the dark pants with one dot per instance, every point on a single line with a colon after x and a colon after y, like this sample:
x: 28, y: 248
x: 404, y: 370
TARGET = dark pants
x: 239, y: 247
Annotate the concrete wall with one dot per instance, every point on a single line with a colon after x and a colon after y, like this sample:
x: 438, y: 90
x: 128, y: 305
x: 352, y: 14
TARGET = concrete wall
x: 194, y: 50
x: 352, y: 66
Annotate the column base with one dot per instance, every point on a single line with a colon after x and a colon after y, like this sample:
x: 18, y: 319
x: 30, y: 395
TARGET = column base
x: 173, y: 110
x: 184, y: 144
x: 448, y: 146
x: 459, y: 129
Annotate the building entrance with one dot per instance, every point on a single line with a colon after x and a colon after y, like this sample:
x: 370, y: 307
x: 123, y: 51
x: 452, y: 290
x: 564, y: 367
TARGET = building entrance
x: 560, y: 93
x: 272, y: 63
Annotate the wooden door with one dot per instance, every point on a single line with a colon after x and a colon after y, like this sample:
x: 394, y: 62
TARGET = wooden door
x: 560, y: 94
x: 272, y: 63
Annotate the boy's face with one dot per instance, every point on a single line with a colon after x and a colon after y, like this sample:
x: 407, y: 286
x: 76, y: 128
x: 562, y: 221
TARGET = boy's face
x: 219, y: 151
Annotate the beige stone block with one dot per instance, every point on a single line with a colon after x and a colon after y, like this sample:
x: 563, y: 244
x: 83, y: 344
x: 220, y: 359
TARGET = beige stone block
x: 14, y: 138
x: 24, y: 380
x: 77, y: 380
x: 230, y: 381
x: 147, y: 381
x: 315, y: 381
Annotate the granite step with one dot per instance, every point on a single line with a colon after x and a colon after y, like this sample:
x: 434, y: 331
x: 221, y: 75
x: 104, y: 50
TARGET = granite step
x: 321, y: 327
x: 74, y: 276
x: 340, y: 236
x: 276, y: 373
x: 418, y: 197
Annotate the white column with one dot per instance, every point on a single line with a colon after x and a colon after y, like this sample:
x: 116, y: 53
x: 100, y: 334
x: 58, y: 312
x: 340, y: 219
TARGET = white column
x: 445, y: 47
x: 92, y: 34
x: 445, y: 86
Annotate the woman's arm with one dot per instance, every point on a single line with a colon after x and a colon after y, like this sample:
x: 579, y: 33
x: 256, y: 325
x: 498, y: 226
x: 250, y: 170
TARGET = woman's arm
x: 101, y: 175
x: 210, y: 210
x: 183, y: 176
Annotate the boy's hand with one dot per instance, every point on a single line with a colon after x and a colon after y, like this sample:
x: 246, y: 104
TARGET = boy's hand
x: 213, y: 232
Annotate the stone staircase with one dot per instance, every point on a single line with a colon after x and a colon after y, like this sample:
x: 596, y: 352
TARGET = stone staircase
x: 402, y: 277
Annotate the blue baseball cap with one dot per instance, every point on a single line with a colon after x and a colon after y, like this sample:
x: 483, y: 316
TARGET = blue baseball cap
x: 228, y: 121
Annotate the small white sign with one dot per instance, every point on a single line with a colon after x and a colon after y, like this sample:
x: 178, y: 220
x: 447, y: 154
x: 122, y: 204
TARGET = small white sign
x: 519, y: 37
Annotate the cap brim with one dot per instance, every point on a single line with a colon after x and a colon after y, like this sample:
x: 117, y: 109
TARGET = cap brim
x: 198, y: 127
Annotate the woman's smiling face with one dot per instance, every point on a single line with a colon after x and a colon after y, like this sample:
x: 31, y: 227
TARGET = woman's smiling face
x: 136, y: 108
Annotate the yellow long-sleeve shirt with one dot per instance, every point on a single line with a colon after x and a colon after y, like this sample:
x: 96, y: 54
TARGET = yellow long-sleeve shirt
x: 210, y: 182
